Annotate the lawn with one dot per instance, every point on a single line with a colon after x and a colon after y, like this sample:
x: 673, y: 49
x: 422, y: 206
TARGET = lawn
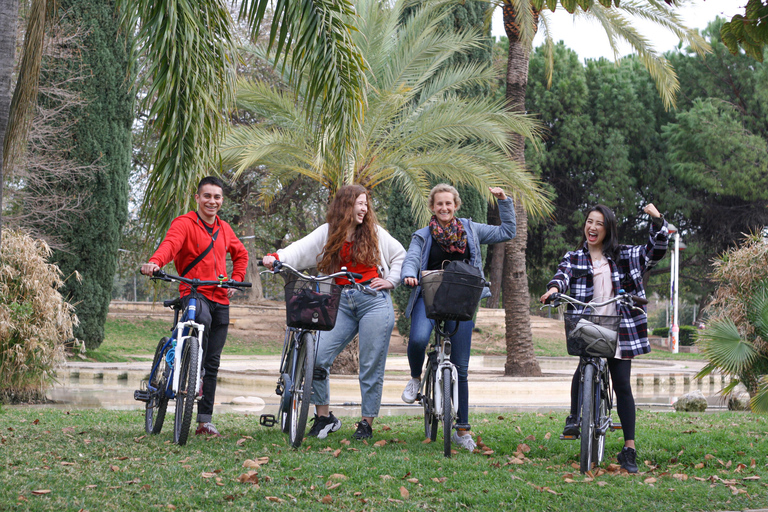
x: 101, y: 460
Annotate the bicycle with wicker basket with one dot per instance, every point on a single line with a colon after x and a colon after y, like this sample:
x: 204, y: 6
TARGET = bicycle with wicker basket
x: 448, y: 296
x: 311, y: 305
x: 593, y: 338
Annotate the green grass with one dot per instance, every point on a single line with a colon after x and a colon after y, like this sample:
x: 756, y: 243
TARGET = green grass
x: 101, y: 460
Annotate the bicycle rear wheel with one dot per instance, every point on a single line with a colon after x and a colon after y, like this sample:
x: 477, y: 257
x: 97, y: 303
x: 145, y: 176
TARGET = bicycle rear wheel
x: 302, y: 389
x: 447, y: 416
x: 154, y: 414
x: 185, y: 397
x: 587, y: 418
x: 428, y: 403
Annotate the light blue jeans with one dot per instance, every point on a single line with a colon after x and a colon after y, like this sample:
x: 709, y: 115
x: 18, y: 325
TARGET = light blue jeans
x: 373, y: 318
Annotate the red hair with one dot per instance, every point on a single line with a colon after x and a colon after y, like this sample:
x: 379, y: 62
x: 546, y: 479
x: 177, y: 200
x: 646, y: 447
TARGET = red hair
x: 340, y: 218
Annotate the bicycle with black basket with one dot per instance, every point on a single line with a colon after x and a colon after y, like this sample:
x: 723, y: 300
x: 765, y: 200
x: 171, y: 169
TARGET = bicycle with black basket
x: 311, y: 305
x: 448, y: 296
x: 593, y: 338
x: 171, y: 381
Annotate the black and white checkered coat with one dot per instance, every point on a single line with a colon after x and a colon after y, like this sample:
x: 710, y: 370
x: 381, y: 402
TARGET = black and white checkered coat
x: 575, y: 273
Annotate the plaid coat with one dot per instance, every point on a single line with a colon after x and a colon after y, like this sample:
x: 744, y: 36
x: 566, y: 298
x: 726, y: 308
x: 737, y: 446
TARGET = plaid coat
x: 575, y: 272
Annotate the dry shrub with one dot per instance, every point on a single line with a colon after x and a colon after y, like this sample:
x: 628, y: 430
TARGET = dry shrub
x: 740, y: 273
x: 35, y: 320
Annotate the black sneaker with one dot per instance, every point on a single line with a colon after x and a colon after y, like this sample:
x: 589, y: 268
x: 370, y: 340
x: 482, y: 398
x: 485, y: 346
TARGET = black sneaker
x: 364, y: 430
x: 324, y: 425
x: 627, y: 458
x: 571, y: 427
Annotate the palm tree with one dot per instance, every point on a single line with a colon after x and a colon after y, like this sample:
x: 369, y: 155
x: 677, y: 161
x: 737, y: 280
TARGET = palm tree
x: 189, y: 57
x: 521, y: 22
x: 416, y: 127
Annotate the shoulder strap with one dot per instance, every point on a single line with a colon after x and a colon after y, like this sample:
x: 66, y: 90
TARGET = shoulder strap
x: 202, y: 254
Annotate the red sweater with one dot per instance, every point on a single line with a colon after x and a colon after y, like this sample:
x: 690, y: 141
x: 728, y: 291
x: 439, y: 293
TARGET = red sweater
x: 187, y: 238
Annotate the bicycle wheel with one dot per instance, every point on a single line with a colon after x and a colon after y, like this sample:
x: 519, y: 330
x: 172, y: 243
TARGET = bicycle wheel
x: 447, y: 416
x: 598, y: 444
x: 428, y: 403
x: 286, y: 371
x: 302, y: 389
x: 587, y: 418
x: 185, y: 397
x: 154, y: 414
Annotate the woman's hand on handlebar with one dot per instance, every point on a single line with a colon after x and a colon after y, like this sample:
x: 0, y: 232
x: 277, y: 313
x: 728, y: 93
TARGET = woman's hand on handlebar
x: 543, y: 298
x: 268, y: 260
x: 410, y: 281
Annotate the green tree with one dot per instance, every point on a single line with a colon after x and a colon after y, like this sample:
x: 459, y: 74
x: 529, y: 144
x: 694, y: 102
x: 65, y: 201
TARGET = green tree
x: 416, y: 129
x: 103, y: 135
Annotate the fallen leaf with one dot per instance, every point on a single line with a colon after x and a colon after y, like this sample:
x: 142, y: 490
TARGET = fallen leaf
x: 345, y: 442
x: 531, y: 438
x: 41, y: 492
x: 413, y: 480
x: 524, y: 448
x: 327, y: 500
x: 67, y: 463
x: 709, y: 456
x: 700, y: 465
x: 114, y: 468
x: 380, y: 443
x: 251, y: 477
x: 249, y: 463
x: 426, y: 441
x: 650, y: 480
x: 753, y: 477
x: 547, y: 436
x: 440, y: 480
x: 404, y: 493
x: 337, y: 452
x: 392, y: 500
x: 602, y: 483
x: 275, y: 499
x: 330, y: 486
x: 680, y: 476
x: 386, y: 477
x: 338, y: 476
x: 385, y: 428
x: 240, y: 441
x: 205, y: 474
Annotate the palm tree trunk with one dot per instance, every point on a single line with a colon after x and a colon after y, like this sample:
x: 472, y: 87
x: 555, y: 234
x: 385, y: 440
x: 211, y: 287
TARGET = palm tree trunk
x: 521, y: 359
x: 9, y: 12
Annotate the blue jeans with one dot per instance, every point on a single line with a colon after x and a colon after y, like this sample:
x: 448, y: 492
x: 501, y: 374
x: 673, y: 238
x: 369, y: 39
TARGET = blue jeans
x: 373, y: 318
x: 461, y: 342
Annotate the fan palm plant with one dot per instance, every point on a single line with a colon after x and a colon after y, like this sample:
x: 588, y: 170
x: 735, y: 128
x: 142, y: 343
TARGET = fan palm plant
x: 416, y: 127
x: 735, y: 340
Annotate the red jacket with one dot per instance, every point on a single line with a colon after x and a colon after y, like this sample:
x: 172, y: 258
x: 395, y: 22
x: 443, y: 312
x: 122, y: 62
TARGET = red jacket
x: 187, y: 238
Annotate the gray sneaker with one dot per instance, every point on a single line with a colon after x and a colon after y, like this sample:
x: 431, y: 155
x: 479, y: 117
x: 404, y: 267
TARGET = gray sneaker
x: 465, y: 442
x: 411, y: 391
x: 324, y: 425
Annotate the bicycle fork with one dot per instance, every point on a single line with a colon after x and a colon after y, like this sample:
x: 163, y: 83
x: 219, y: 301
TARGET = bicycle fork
x: 182, y: 337
x: 443, y: 363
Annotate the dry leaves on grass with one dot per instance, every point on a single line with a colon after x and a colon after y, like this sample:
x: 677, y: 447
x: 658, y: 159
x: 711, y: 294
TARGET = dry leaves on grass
x: 404, y: 493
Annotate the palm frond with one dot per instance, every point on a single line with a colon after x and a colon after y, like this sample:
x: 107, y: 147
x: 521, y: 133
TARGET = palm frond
x: 757, y: 312
x: 759, y: 402
x: 725, y: 348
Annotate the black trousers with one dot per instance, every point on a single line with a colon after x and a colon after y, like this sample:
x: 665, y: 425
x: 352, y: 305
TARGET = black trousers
x: 621, y: 373
x: 215, y: 318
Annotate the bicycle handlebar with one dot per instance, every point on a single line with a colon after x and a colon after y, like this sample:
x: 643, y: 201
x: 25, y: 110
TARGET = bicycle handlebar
x: 195, y: 283
x: 622, y: 297
x: 278, y: 266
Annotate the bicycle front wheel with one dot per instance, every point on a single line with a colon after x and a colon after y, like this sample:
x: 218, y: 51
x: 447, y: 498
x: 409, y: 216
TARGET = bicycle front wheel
x: 587, y: 418
x: 302, y: 389
x: 154, y: 414
x: 428, y: 403
x: 185, y: 397
x: 598, y: 444
x: 447, y: 416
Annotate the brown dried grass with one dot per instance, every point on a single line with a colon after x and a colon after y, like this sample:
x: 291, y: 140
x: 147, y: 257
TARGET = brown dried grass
x: 741, y: 272
x: 35, y: 321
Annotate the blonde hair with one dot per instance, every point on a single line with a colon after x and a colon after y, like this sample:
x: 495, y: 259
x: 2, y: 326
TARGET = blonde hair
x: 444, y: 187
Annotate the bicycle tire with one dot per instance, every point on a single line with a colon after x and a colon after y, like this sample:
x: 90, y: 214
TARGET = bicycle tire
x: 447, y: 415
x: 185, y: 397
x: 285, y: 376
x: 302, y: 383
x: 154, y: 413
x: 587, y: 418
x: 428, y: 402
x: 598, y: 444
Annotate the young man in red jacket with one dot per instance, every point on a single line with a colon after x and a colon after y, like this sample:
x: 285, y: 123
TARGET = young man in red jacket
x: 198, y: 233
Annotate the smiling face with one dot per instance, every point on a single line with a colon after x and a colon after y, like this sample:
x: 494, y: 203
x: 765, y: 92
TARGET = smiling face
x: 443, y: 206
x: 360, y: 208
x: 209, y: 200
x: 594, y: 230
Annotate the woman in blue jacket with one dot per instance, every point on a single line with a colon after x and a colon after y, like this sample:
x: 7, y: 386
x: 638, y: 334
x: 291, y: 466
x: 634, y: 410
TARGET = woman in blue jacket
x: 448, y: 238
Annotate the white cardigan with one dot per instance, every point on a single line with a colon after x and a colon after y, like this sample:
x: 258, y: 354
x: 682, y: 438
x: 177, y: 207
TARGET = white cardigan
x: 305, y: 253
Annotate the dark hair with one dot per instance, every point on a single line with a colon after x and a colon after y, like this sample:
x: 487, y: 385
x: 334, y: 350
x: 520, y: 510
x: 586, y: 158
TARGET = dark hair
x: 340, y: 217
x: 210, y: 180
x: 611, y: 240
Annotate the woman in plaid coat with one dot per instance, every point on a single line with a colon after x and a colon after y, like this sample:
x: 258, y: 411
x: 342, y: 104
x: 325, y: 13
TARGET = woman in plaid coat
x: 596, y: 271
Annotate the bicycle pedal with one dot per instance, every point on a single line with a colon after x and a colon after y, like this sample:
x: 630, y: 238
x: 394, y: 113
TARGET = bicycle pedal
x: 616, y: 426
x: 267, y: 420
x: 568, y: 438
x: 141, y: 395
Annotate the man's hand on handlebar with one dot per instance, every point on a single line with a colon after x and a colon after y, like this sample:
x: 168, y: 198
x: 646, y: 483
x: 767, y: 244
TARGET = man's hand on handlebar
x: 149, y: 268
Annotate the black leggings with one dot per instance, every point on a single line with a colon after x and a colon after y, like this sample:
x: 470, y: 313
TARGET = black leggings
x: 621, y: 371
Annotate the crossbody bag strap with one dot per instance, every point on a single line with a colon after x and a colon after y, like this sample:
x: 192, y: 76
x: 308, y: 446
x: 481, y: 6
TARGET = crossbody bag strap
x: 202, y: 254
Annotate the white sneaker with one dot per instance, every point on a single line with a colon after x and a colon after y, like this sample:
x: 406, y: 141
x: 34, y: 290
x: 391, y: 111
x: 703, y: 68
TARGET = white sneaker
x: 411, y: 391
x: 465, y: 442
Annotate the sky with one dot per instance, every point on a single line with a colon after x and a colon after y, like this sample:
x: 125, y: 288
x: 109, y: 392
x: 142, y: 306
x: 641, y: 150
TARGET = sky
x: 588, y: 40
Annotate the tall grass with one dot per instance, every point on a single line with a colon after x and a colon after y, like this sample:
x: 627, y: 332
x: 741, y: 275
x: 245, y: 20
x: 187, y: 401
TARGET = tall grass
x: 35, y: 320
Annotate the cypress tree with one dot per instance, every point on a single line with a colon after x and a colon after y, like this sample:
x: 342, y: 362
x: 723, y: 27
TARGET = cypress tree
x: 102, y: 135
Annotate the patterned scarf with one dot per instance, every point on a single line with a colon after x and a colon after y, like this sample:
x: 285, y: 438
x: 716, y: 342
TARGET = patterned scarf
x: 452, y: 238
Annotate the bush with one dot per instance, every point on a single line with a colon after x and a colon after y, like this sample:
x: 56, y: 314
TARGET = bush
x: 661, y: 331
x: 35, y: 320
x: 688, y: 334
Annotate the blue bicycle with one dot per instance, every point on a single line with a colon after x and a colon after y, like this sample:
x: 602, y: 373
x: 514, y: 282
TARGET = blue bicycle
x: 183, y: 381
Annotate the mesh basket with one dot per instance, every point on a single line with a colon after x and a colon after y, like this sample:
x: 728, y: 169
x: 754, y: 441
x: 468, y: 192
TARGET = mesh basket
x: 450, y: 295
x: 311, y: 305
x: 591, y: 335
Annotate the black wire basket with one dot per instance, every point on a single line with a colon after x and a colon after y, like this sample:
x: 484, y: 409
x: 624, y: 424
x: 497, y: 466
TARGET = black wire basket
x: 590, y: 335
x: 450, y: 295
x: 311, y: 305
